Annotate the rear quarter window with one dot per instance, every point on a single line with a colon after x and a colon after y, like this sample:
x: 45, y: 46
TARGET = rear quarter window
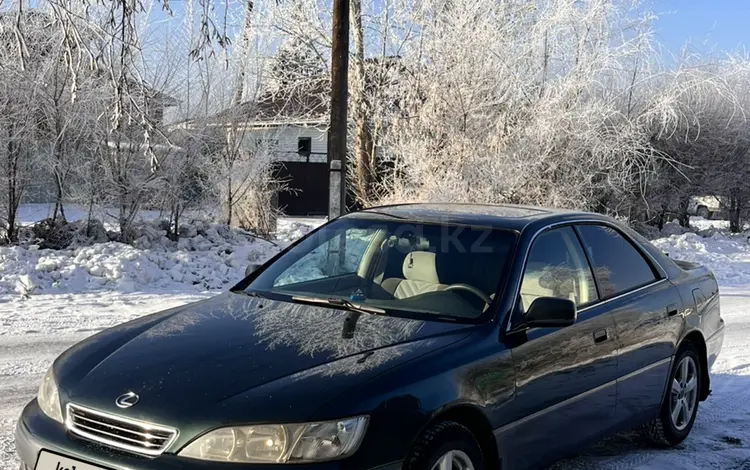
x: 618, y: 266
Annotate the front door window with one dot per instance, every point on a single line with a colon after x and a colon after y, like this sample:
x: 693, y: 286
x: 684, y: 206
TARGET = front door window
x: 557, y: 267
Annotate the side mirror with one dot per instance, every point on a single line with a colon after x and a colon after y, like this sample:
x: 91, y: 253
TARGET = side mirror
x: 251, y: 268
x: 550, y: 312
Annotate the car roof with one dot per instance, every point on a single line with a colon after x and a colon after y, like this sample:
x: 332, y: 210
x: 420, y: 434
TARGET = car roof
x: 503, y: 216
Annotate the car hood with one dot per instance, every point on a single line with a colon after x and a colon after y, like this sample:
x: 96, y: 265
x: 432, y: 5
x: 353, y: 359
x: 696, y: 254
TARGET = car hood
x: 193, y: 361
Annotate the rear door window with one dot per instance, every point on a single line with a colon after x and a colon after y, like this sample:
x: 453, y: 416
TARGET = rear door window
x: 618, y: 266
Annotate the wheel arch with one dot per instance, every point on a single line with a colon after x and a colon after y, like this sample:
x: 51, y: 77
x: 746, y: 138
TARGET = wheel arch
x: 695, y: 338
x: 475, y: 420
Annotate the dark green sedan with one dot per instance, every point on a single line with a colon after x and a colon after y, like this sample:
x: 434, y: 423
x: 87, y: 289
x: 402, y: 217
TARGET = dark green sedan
x: 424, y: 336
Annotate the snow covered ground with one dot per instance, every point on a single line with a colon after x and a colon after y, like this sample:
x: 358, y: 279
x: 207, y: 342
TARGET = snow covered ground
x: 73, y: 293
x: 30, y: 213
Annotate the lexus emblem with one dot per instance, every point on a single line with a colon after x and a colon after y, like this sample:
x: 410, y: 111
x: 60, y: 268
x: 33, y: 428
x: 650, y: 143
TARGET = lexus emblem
x: 126, y: 400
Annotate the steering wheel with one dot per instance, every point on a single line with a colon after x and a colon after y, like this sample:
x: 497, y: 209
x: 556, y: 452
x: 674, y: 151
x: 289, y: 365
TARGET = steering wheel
x: 469, y: 288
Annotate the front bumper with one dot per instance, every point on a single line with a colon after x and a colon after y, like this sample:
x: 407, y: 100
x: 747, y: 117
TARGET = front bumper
x: 35, y: 431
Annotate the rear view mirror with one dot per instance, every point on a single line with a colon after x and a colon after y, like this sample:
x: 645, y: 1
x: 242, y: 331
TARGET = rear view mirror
x: 550, y: 312
x: 251, y: 268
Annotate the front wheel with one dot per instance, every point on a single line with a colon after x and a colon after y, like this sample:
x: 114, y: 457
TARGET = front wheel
x: 680, y: 406
x: 445, y: 446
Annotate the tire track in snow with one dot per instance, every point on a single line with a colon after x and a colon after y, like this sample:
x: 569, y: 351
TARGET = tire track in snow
x: 724, y: 402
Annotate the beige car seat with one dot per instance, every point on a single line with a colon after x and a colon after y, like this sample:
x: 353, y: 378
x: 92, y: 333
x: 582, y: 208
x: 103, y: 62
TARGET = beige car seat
x: 540, y: 281
x: 420, y: 276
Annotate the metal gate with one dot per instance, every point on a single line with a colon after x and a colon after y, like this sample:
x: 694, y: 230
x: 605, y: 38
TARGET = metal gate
x: 307, y: 187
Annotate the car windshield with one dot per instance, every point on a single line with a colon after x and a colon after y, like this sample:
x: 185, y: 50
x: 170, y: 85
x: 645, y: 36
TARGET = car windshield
x: 400, y: 267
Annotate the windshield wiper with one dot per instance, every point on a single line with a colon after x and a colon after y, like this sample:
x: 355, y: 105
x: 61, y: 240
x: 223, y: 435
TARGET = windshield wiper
x: 355, y: 311
x: 342, y: 303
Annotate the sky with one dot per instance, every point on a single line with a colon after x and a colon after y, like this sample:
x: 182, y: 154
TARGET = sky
x: 707, y: 27
x: 712, y: 26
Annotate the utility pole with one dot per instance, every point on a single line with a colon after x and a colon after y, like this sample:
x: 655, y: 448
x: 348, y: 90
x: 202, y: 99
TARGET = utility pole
x: 338, y: 123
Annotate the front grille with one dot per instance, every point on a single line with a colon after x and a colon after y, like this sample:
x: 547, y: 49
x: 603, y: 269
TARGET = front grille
x: 118, y: 432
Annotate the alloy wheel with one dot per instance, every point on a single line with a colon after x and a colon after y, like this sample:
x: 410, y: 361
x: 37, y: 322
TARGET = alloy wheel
x: 453, y: 460
x: 684, y: 396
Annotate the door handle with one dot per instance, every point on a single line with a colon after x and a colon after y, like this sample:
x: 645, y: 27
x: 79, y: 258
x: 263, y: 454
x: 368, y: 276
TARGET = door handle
x: 672, y: 310
x: 601, y: 335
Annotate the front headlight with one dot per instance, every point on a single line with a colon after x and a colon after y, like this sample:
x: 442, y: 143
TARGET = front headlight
x: 276, y: 443
x: 49, y: 398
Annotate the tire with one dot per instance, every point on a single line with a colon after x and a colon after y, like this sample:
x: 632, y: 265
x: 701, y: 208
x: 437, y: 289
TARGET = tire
x: 702, y: 211
x: 446, y: 439
x: 673, y: 425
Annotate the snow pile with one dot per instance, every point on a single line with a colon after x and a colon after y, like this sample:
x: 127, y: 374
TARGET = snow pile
x: 727, y: 255
x: 652, y: 232
x: 701, y: 224
x: 290, y: 230
x: 673, y: 228
x: 206, y: 257
x: 116, y: 266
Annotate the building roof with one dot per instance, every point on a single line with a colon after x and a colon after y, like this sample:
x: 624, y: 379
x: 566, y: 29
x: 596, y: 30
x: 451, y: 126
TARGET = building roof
x: 506, y: 216
x: 310, y: 106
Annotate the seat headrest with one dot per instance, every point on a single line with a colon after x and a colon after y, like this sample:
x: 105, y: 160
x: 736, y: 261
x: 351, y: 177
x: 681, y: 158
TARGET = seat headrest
x: 421, y: 266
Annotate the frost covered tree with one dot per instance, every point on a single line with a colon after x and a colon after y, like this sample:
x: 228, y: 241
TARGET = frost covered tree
x: 698, y: 118
x: 530, y: 108
x: 221, y: 92
x: 547, y: 102
x: 21, y: 34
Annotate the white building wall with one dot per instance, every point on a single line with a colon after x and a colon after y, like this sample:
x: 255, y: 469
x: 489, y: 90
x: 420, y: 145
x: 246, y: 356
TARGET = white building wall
x: 283, y: 141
